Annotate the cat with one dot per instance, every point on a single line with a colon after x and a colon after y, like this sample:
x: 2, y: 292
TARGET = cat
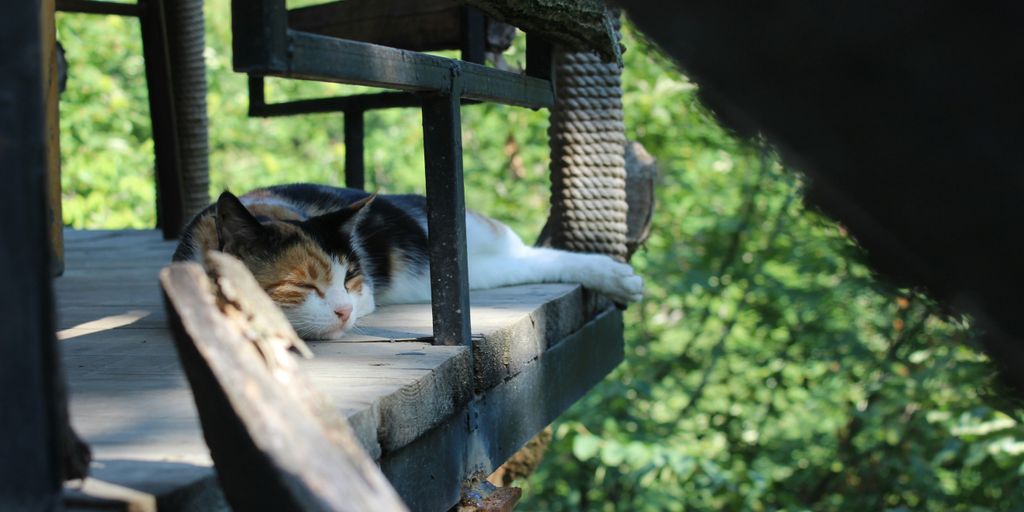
x: 329, y: 256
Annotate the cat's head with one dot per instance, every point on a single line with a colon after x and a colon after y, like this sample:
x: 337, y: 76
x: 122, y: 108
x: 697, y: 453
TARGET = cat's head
x: 311, y: 269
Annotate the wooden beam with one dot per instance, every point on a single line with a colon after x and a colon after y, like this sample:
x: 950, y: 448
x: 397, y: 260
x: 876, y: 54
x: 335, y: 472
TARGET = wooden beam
x: 408, y: 402
x: 98, y: 7
x: 425, y: 25
x: 30, y: 446
x: 51, y: 85
x: 429, y: 471
x: 473, y: 30
x: 277, y: 443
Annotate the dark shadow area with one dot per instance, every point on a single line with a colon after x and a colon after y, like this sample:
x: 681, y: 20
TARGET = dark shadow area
x: 905, y: 116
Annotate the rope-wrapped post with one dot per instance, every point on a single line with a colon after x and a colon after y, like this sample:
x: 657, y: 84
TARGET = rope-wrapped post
x: 187, y: 43
x: 587, y: 140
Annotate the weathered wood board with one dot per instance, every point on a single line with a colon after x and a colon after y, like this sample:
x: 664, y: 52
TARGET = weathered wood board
x: 131, y: 402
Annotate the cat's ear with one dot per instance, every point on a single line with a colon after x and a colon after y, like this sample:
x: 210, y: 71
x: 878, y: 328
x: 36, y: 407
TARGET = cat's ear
x: 346, y: 219
x: 237, y: 229
x: 361, y: 204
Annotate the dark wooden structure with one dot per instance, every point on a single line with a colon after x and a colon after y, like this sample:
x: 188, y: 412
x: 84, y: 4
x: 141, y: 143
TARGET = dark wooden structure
x: 429, y: 414
x: 176, y: 199
x: 29, y: 383
x: 435, y: 394
x: 905, y: 118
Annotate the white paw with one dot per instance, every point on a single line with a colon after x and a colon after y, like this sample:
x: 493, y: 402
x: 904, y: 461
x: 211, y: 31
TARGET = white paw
x: 616, y: 280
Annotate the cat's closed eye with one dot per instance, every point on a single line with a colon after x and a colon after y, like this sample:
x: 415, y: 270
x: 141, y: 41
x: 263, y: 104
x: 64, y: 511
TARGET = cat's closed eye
x: 354, y: 284
x: 310, y: 287
x: 292, y: 292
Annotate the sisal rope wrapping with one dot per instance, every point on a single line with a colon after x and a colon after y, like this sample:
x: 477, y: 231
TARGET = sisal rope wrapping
x: 587, y: 139
x: 188, y: 65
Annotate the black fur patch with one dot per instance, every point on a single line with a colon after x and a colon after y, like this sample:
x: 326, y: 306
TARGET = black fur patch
x: 388, y: 229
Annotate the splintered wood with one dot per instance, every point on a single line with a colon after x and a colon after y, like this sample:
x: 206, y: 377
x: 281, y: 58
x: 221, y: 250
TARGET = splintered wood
x: 479, y: 495
x: 277, y: 443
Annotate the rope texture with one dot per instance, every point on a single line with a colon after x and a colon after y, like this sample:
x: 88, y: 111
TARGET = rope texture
x: 587, y: 139
x: 185, y: 31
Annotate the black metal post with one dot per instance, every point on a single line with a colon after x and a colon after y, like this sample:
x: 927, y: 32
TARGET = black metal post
x: 259, y: 35
x: 474, y: 35
x: 257, y: 95
x: 170, y: 189
x: 96, y: 7
x: 355, y: 170
x: 446, y: 216
x: 259, y: 108
x: 539, y: 57
x: 29, y: 422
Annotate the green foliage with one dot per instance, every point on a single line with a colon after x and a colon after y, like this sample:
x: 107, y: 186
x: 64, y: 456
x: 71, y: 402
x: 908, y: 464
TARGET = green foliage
x: 765, y: 370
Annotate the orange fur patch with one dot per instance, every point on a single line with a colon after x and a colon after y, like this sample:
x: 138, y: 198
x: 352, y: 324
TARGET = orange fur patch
x: 205, y: 235
x: 288, y: 294
x: 355, y: 285
x: 273, y: 211
x: 294, y: 273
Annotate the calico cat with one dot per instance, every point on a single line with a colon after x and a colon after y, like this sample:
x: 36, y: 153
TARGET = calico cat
x: 328, y: 256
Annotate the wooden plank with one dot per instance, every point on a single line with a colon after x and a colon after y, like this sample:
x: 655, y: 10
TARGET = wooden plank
x: 112, y: 311
x: 320, y: 58
x: 130, y: 399
x: 132, y: 293
x: 29, y: 380
x: 78, y: 235
x: 392, y: 392
x: 527, y: 333
x: 425, y: 25
x: 544, y: 389
x: 428, y: 472
x: 91, y: 318
x: 146, y: 486
x: 51, y: 83
x: 99, y: 7
x: 276, y: 443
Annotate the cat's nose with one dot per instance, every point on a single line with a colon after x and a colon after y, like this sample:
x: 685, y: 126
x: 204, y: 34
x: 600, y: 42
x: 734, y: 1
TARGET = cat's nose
x: 343, y: 312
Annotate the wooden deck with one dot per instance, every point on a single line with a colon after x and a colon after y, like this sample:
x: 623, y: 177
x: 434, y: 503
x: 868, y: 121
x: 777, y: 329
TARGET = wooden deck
x: 430, y: 414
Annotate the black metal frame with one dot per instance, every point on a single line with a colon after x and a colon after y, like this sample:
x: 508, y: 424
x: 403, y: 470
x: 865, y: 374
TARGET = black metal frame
x: 264, y: 46
x: 170, y: 189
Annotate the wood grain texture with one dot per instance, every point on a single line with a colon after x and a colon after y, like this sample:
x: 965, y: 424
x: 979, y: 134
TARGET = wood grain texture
x: 419, y: 26
x: 51, y: 82
x: 145, y: 486
x: 429, y: 472
x: 277, y: 443
x: 31, y: 397
x: 131, y: 401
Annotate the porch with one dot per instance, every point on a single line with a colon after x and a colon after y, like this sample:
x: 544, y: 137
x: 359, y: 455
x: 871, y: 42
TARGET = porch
x: 536, y: 350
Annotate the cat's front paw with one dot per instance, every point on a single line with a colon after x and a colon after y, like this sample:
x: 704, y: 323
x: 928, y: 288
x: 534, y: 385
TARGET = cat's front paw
x: 618, y: 281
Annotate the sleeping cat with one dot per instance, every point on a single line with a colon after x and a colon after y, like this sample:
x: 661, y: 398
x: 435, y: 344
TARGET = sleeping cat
x: 328, y: 256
